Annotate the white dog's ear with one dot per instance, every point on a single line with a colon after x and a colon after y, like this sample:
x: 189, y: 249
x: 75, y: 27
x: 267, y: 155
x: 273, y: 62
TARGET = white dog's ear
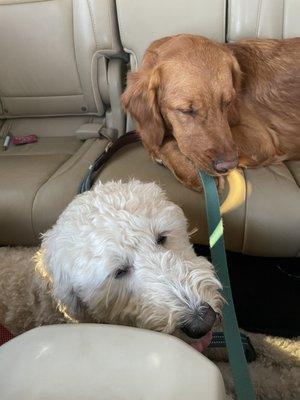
x: 58, y: 271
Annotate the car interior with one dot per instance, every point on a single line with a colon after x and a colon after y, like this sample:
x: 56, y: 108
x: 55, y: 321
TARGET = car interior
x: 63, y: 67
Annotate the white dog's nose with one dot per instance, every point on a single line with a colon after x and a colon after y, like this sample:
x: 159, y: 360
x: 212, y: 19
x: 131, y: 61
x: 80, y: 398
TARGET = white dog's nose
x: 200, y: 323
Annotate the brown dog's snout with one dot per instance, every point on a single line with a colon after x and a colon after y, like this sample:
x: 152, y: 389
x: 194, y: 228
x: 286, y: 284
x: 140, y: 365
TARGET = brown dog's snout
x: 226, y: 160
x: 222, y: 166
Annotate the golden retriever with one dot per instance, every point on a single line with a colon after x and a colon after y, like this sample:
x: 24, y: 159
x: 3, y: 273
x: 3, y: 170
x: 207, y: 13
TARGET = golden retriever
x: 199, y: 104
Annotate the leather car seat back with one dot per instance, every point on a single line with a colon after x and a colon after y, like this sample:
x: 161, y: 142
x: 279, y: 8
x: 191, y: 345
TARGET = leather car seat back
x: 142, y: 22
x: 278, y: 19
x: 61, y: 76
x: 53, y: 59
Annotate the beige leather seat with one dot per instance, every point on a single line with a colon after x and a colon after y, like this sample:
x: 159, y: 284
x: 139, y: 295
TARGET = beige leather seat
x: 61, y: 68
x: 262, y: 207
x: 93, y: 361
x: 272, y: 223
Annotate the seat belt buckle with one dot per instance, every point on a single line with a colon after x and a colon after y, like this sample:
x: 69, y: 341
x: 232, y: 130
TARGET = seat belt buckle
x: 6, y: 141
x: 93, y: 130
x: 108, y: 146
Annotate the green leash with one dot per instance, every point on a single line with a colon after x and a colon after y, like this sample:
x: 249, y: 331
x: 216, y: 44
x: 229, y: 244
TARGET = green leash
x: 243, y: 385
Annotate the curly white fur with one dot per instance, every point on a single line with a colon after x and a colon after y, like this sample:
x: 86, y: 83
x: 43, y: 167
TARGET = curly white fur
x: 115, y: 227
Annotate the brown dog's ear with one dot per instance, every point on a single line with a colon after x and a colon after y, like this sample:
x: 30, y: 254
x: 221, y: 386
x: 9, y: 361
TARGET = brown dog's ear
x: 233, y: 114
x: 236, y: 74
x: 140, y: 100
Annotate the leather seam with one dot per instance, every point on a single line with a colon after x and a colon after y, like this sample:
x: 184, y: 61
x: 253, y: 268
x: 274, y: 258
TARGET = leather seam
x: 25, y: 2
x: 292, y: 174
x: 120, y: 23
x: 258, y: 17
x: 246, y: 211
x: 228, y: 22
x: 110, y: 25
x: 42, y: 97
x: 48, y: 180
x: 34, y: 198
x: 109, y: 17
x: 224, y: 12
x: 35, y: 154
x: 78, y: 156
x: 95, y: 88
x: 96, y: 93
x: 75, y: 54
x: 20, y: 116
x: 93, y: 23
x: 283, y: 19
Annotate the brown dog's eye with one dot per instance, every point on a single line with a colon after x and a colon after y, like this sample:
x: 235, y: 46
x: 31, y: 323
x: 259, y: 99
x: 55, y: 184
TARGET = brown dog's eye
x: 189, y: 111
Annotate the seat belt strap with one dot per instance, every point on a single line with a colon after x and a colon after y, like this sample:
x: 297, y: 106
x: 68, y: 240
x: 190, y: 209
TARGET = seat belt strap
x: 243, y: 385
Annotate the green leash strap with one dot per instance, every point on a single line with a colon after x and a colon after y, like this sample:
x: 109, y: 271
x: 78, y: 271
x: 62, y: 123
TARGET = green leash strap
x: 243, y: 385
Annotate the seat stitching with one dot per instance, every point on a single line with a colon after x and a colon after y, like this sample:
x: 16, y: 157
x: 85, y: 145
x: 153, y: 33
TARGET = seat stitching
x: 292, y: 174
x: 228, y: 22
x: 93, y: 23
x: 224, y: 12
x: 35, y: 154
x: 34, y: 197
x: 283, y: 19
x: 78, y: 156
x: 258, y: 17
x: 246, y: 210
x: 96, y: 92
x: 110, y: 25
x: 24, y: 2
x: 49, y: 179
x: 75, y: 54
x: 38, y: 97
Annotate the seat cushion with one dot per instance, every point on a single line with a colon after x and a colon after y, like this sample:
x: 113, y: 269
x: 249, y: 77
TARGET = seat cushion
x: 38, y: 180
x: 261, y: 207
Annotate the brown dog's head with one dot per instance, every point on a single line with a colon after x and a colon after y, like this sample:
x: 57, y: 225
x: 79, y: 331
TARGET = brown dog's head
x: 186, y: 86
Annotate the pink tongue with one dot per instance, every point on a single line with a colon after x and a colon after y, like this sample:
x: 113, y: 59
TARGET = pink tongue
x: 202, y: 343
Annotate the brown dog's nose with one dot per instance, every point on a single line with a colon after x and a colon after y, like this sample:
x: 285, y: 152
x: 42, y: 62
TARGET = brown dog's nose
x: 224, y: 166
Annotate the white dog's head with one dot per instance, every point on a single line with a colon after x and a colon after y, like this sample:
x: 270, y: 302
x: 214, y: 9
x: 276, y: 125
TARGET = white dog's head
x: 121, y: 253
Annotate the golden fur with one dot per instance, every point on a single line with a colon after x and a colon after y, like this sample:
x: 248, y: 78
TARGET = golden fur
x: 197, y: 102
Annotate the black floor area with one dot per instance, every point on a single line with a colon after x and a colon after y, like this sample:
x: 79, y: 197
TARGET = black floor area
x: 266, y: 292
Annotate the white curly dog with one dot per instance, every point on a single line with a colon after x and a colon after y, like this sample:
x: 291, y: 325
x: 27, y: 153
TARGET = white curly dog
x: 118, y: 254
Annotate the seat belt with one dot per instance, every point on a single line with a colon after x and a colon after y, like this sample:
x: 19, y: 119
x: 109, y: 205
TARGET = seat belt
x: 243, y: 385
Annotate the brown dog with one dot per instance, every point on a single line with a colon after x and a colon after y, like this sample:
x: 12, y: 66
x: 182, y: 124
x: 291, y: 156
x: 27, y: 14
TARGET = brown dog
x: 200, y: 104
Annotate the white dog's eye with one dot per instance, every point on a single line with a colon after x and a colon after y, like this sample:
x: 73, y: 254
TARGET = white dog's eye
x: 120, y: 272
x: 161, y: 240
